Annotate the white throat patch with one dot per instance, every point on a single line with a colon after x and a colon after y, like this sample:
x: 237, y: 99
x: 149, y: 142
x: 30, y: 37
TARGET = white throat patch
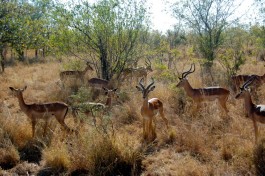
x: 262, y: 108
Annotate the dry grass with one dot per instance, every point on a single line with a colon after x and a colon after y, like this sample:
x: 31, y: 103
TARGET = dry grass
x: 205, y: 143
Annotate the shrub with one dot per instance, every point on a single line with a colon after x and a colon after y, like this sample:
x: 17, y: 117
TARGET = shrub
x: 164, y: 74
x: 178, y: 99
x: 57, y: 156
x: 103, y: 154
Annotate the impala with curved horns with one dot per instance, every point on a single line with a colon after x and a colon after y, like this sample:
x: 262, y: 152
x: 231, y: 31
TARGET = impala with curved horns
x: 241, y: 79
x: 203, y: 94
x: 42, y: 111
x: 77, y: 74
x: 255, y: 112
x: 149, y: 110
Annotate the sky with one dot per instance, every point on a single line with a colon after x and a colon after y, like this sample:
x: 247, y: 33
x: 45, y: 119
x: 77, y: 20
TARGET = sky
x: 162, y: 19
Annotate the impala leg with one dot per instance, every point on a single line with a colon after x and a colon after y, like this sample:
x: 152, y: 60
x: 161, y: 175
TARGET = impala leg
x: 144, y: 129
x: 60, y: 118
x: 197, y: 107
x: 255, y: 130
x: 64, y: 125
x: 47, y: 123
x: 223, y: 104
x: 45, y: 128
x: 151, y: 131
x: 82, y: 79
x: 161, y: 112
x: 33, y: 123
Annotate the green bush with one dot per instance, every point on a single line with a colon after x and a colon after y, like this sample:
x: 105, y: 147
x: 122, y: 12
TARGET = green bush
x: 164, y: 74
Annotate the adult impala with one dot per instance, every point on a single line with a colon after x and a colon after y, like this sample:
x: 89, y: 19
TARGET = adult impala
x: 203, y: 94
x: 137, y: 72
x: 42, y: 111
x: 149, y: 110
x: 238, y: 80
x: 92, y: 107
x: 255, y: 112
x: 77, y: 74
x: 98, y: 84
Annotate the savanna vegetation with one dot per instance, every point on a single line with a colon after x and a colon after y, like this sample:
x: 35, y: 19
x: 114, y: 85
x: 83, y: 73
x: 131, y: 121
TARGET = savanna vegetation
x: 42, y: 41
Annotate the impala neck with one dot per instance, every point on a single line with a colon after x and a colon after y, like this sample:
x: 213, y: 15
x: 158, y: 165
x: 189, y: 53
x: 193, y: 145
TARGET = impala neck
x: 87, y: 68
x: 108, y: 102
x: 145, y: 103
x: 248, y: 102
x: 21, y: 102
x: 189, y: 90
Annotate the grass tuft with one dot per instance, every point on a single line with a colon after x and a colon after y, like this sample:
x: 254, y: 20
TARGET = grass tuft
x: 259, y: 157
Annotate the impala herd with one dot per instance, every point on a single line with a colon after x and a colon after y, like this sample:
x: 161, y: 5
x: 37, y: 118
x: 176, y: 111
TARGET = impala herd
x: 150, y: 107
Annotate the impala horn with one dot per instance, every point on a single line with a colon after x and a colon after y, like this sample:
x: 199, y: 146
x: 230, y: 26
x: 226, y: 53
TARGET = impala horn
x: 189, y: 71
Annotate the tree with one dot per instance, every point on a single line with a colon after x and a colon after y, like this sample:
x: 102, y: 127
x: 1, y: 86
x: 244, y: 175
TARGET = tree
x: 231, y: 55
x: 108, y: 28
x: 207, y: 19
x: 7, y: 11
x: 22, y: 26
x: 174, y: 37
x: 41, y: 25
x: 261, y: 6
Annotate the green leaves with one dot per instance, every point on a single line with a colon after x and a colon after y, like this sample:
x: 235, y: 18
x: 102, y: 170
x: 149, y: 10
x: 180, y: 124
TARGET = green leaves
x: 108, y: 27
x: 207, y: 20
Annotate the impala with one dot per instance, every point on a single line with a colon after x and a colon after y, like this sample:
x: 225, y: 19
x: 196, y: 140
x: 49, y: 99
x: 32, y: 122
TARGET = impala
x: 255, y: 112
x: 203, y: 94
x: 240, y: 79
x: 76, y: 74
x: 42, y: 111
x: 137, y: 72
x: 149, y: 110
x: 98, y: 84
x: 91, y: 107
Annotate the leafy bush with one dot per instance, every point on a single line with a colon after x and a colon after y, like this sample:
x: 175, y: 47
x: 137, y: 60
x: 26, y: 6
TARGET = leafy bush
x: 83, y: 95
x: 73, y: 65
x: 164, y: 74
x: 178, y: 99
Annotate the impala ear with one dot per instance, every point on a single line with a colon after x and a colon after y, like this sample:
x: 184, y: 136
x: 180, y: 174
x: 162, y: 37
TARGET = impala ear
x: 104, y: 88
x: 25, y: 88
x: 138, y: 88
x: 11, y: 88
x: 115, y: 89
x: 152, y: 88
x: 249, y: 89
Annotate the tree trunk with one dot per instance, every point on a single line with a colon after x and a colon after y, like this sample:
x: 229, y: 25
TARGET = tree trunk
x: 104, y: 66
x: 104, y: 60
x: 43, y: 52
x: 170, y: 60
x: 36, y: 53
x: 21, y: 56
x: 3, y: 51
x: 207, y: 73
